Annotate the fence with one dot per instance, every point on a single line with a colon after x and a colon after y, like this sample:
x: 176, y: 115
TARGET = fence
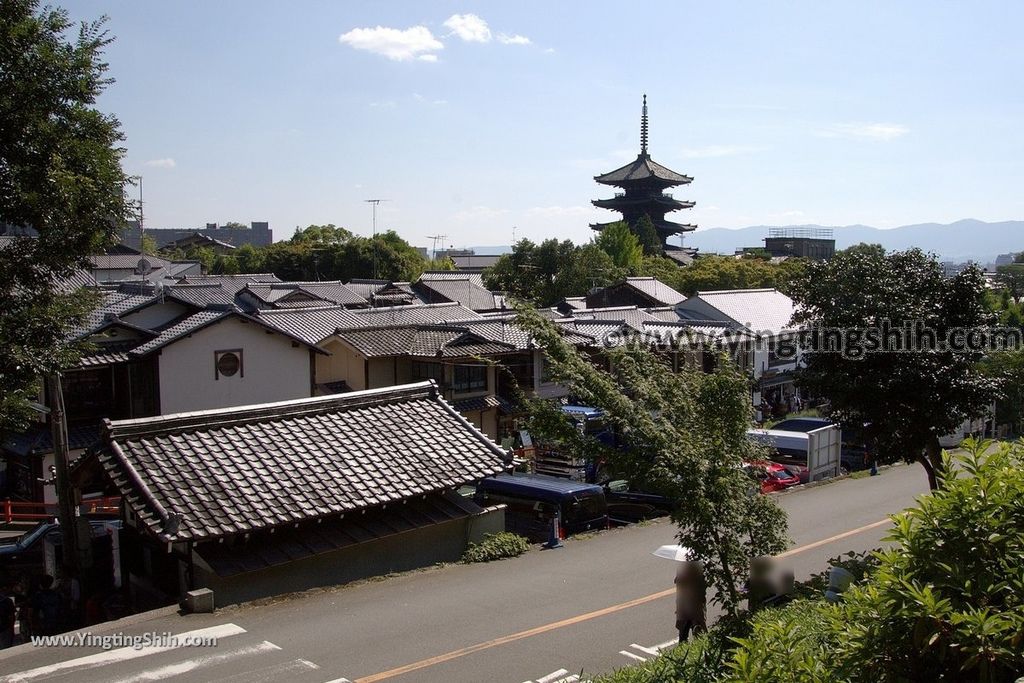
x: 24, y: 511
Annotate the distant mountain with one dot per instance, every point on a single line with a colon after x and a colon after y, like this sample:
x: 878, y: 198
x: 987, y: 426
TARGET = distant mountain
x: 966, y: 240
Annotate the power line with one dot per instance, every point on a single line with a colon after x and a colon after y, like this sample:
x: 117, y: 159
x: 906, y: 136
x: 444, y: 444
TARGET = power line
x: 376, y: 203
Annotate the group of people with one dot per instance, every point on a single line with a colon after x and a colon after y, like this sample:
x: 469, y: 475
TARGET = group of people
x: 766, y: 586
x: 35, y: 609
x: 43, y: 606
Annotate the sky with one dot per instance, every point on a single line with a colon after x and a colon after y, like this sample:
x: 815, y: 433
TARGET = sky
x: 484, y: 120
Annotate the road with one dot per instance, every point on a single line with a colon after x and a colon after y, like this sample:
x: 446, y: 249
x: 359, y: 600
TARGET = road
x: 595, y: 605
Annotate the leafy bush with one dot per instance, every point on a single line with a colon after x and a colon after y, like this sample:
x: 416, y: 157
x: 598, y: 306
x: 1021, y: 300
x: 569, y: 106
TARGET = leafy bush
x: 496, y: 547
x: 945, y: 604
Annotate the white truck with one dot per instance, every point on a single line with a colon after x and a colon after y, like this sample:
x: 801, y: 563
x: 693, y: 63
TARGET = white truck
x: 814, y: 455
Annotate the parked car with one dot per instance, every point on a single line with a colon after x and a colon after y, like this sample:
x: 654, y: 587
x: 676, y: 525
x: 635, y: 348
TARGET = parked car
x: 852, y: 454
x: 533, y: 500
x: 771, y: 476
x: 626, y: 506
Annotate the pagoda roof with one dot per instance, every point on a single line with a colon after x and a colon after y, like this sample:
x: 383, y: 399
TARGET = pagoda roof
x: 663, y: 227
x: 640, y: 169
x: 620, y: 202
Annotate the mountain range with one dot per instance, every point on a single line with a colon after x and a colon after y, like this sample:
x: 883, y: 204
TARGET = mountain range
x: 965, y: 240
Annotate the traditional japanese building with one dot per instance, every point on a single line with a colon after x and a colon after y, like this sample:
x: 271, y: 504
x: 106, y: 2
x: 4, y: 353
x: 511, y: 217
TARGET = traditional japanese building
x: 644, y: 182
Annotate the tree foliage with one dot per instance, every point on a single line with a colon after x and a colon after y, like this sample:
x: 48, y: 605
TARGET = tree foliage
x: 648, y: 237
x: 709, y: 273
x: 685, y: 436
x: 622, y: 245
x: 545, y: 273
x: 908, y: 399
x: 61, y: 176
x: 945, y: 604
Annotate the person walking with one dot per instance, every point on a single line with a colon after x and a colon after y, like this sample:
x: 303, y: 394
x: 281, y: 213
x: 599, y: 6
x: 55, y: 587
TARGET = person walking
x: 8, y: 616
x: 691, y: 600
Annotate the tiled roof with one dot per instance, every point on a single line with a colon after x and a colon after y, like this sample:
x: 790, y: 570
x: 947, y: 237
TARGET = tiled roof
x: 38, y: 439
x: 179, y: 329
x: 656, y: 289
x: 127, y: 261
x: 111, y: 304
x: 630, y: 315
x: 759, y: 310
x: 231, y: 283
x: 322, y: 292
x: 80, y: 278
x: 471, y: 405
x: 415, y: 314
x: 665, y: 313
x: 452, y: 275
x: 313, y: 325
x: 421, y: 341
x: 366, y: 288
x: 107, y: 354
x: 462, y: 290
x: 200, y: 295
x: 642, y: 168
x: 198, y: 476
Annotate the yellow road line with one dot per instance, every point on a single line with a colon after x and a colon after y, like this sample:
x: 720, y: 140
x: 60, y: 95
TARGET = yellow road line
x: 511, y: 638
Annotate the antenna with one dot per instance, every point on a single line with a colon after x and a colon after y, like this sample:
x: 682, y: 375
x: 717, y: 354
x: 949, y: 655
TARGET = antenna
x: 514, y: 228
x: 433, y: 249
x: 643, y: 128
x: 375, y: 203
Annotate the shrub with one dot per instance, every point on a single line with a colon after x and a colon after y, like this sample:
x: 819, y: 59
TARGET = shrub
x: 496, y: 547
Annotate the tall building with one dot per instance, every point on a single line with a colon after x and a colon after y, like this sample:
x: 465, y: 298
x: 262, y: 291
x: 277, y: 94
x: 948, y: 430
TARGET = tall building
x: 257, y: 234
x: 817, y: 244
x: 644, y: 182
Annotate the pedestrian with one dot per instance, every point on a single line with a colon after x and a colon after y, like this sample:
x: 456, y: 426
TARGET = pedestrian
x: 45, y: 606
x: 691, y: 600
x: 8, y: 615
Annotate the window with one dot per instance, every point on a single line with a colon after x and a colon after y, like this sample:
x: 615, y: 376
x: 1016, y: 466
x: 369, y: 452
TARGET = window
x: 228, y: 363
x: 423, y: 371
x: 470, y: 378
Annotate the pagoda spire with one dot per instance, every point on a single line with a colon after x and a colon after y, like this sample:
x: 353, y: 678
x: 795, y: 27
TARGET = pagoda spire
x: 643, y: 128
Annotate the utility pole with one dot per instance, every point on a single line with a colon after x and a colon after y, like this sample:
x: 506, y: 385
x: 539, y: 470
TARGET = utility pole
x: 66, y: 504
x: 375, y: 203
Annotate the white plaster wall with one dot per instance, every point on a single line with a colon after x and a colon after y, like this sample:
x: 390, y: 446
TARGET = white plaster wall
x: 274, y: 370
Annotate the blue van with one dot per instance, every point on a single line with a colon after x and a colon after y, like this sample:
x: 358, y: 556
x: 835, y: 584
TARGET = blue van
x: 532, y: 500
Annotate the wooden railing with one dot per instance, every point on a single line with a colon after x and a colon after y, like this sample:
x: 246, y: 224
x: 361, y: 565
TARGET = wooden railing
x: 24, y: 511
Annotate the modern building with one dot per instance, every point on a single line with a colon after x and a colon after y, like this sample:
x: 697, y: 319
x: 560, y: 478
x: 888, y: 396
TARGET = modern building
x: 258, y: 234
x: 643, y: 183
x: 816, y: 244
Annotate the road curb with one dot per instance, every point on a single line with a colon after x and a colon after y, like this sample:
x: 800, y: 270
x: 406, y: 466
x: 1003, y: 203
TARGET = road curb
x: 832, y: 480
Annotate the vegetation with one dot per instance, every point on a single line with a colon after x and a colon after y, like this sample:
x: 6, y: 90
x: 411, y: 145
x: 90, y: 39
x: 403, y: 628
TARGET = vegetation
x: 944, y: 603
x: 709, y: 273
x: 60, y: 175
x: 907, y: 399
x: 496, y: 547
x: 545, y: 273
x: 622, y: 245
x: 685, y: 437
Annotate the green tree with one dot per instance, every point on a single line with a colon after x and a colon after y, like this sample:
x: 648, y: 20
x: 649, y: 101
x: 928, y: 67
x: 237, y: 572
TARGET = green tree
x: 622, y: 245
x: 250, y: 259
x: 648, y: 237
x: 945, y: 604
x: 588, y: 268
x: 148, y: 245
x: 685, y: 436
x: 1011, y: 277
x: 908, y: 399
x: 321, y: 235
x: 530, y: 271
x: 61, y: 175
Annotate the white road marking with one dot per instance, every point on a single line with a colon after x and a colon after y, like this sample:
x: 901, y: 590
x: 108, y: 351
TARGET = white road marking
x: 649, y: 650
x: 553, y: 676
x: 308, y: 664
x: 121, y: 654
x: 569, y: 679
x: 667, y: 644
x: 345, y: 680
x: 199, y: 663
x: 284, y: 671
x: 632, y: 656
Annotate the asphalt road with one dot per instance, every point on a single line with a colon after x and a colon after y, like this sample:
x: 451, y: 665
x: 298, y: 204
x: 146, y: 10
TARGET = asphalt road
x: 595, y: 605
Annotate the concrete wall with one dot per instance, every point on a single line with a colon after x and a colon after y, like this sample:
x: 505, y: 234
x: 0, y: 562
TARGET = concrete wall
x: 272, y: 369
x: 401, y: 552
x: 343, y: 364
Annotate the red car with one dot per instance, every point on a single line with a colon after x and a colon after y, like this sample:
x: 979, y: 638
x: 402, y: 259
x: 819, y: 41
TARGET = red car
x: 771, y: 475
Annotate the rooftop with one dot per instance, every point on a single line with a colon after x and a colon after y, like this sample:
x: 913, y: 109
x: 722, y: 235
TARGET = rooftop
x: 203, y: 475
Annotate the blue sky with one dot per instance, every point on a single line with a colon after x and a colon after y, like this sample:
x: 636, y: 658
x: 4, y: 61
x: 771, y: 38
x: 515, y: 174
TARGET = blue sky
x: 472, y: 117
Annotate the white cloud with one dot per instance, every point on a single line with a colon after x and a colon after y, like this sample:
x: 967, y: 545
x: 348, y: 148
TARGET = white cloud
x: 469, y: 27
x: 161, y: 163
x: 399, y: 45
x: 420, y: 98
x: 549, y: 51
x: 559, y: 211
x: 479, y: 214
x: 865, y: 131
x: 515, y: 39
x: 715, y: 151
x: 384, y: 104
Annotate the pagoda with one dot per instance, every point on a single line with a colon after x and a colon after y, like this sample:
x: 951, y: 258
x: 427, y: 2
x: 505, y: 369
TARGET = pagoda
x: 644, y: 183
